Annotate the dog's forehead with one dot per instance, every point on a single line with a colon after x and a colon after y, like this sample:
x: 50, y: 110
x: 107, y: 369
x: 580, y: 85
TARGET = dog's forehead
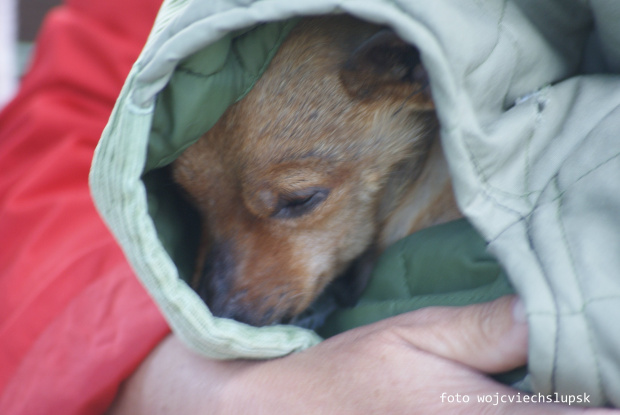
x: 308, y: 121
x: 300, y: 109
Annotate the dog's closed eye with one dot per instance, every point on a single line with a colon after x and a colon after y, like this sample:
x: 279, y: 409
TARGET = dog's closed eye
x: 299, y: 202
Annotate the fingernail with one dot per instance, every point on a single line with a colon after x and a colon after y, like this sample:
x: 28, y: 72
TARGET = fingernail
x: 518, y: 311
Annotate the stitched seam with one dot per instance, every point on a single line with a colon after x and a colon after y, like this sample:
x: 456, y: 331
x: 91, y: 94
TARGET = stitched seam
x: 561, y: 193
x: 528, y: 165
x: 545, y: 280
x: 284, y: 32
x: 593, y: 169
x: 499, y: 31
x: 578, y: 311
x: 575, y: 277
x: 586, y: 303
x: 480, y: 171
x: 607, y: 115
x: 583, y: 176
x: 486, y: 188
x: 472, y: 158
x: 188, y: 71
x: 528, y: 160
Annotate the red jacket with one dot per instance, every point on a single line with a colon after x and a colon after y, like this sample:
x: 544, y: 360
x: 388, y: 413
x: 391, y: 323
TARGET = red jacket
x: 74, y: 320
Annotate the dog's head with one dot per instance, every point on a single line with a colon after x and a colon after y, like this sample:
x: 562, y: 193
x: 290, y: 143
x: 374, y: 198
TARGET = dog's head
x: 290, y: 180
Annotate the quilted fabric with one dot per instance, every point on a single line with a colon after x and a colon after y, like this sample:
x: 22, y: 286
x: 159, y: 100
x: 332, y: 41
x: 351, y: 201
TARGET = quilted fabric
x: 445, y: 265
x: 528, y: 100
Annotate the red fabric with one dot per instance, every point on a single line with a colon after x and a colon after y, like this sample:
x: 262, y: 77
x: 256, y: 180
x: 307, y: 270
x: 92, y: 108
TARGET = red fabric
x: 74, y: 320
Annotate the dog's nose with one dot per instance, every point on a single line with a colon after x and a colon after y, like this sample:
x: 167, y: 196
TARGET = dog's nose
x: 225, y: 300
x: 244, y: 313
x: 235, y: 305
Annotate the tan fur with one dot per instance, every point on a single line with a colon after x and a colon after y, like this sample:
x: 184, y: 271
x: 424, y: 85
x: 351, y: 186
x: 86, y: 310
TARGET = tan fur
x: 320, y: 124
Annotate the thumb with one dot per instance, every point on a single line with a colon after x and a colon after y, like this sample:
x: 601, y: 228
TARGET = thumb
x: 490, y: 337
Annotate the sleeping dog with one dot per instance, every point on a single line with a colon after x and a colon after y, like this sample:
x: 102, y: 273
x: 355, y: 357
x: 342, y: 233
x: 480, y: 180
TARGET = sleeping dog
x: 333, y: 155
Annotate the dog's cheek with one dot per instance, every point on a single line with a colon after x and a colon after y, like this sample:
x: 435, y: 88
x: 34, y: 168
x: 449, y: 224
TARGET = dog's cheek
x: 314, y: 261
x: 324, y: 253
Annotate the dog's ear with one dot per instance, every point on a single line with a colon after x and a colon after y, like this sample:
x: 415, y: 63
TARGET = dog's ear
x: 385, y: 66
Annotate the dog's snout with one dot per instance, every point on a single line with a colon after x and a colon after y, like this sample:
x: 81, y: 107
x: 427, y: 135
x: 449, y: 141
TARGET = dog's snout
x: 235, y: 308
x: 225, y: 299
x: 216, y: 278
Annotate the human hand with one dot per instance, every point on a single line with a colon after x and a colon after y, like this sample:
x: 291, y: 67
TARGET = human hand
x: 408, y: 364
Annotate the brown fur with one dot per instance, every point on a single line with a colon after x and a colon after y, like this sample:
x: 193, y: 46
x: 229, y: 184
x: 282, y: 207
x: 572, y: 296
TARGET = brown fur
x: 333, y: 154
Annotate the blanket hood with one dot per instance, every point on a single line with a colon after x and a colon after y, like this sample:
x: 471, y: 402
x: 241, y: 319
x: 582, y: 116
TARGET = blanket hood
x: 527, y: 96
